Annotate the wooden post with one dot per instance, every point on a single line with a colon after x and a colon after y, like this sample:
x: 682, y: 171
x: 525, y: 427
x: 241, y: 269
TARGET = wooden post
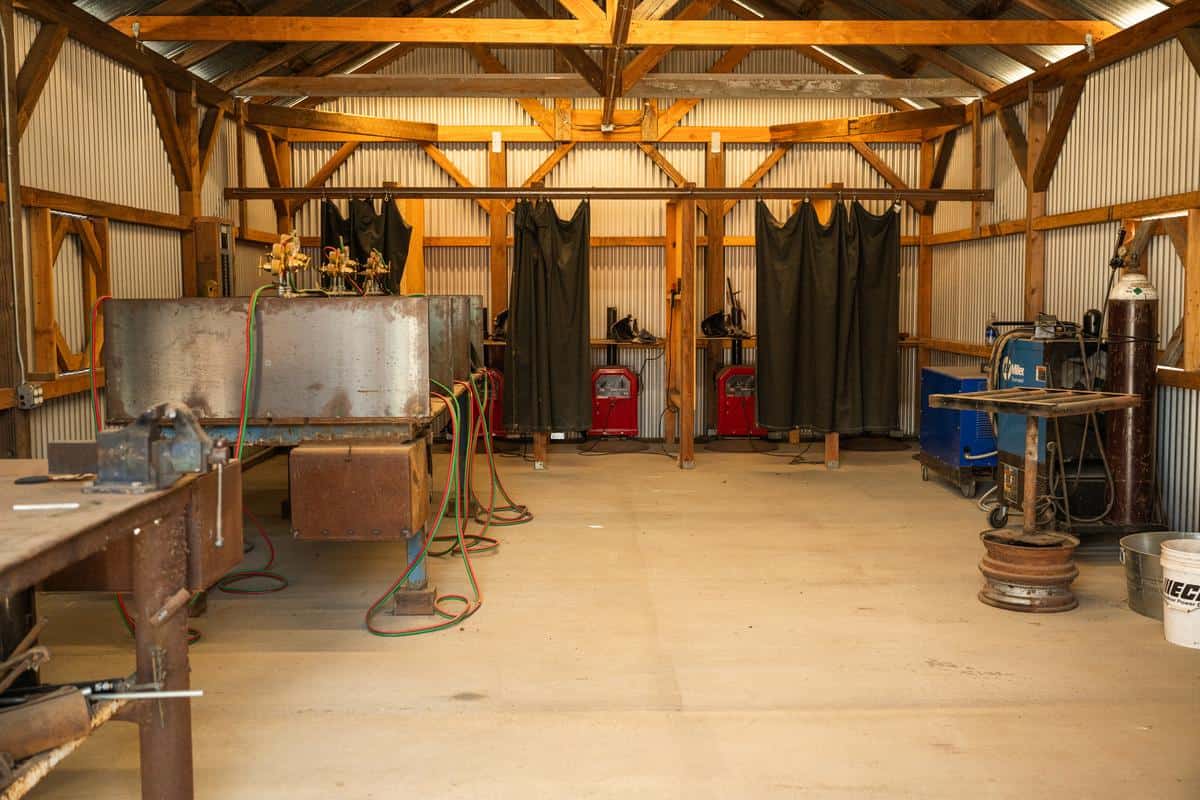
x: 714, y: 276
x: 42, y: 254
x: 671, y: 257
x: 207, y: 232
x: 498, y: 233
x: 975, y: 112
x: 283, y: 158
x: 189, y: 194
x: 541, y: 449
x: 413, y: 282
x: 1191, y: 303
x: 687, y: 333
x: 243, y: 212
x: 1035, y: 207
x: 833, y: 450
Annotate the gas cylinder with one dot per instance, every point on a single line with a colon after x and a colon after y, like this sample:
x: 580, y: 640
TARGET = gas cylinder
x: 1132, y: 359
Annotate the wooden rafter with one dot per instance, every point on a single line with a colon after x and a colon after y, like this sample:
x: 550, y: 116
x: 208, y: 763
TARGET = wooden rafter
x: 540, y: 30
x: 210, y: 133
x: 583, y: 9
x: 941, y: 166
x: 268, y: 152
x: 163, y: 107
x: 1015, y: 136
x: 571, y: 52
x: 930, y: 8
x: 651, y: 57
x: 35, y: 71
x: 282, y: 117
x: 759, y: 173
x: 885, y: 171
x: 1056, y: 134
x: 486, y: 59
x: 544, y: 169
x: 193, y: 54
x: 681, y: 108
x: 622, y: 16
x: 664, y: 164
x: 447, y: 166
x: 1189, y: 39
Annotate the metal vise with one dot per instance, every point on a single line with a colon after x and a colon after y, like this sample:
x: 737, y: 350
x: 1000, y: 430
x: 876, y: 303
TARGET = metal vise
x: 154, y: 451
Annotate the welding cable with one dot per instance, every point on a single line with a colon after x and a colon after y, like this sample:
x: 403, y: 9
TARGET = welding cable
x: 229, y: 583
x: 248, y: 369
x: 92, y: 363
x: 193, y: 635
x: 469, y: 605
x: 522, y: 513
x: 464, y: 496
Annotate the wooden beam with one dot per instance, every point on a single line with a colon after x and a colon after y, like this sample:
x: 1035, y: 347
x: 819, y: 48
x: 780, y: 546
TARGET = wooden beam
x: 614, y: 56
x: 259, y: 114
x: 447, y: 166
x: 502, y: 83
x: 163, y: 108
x: 728, y: 62
x: 758, y: 174
x: 671, y: 275
x: 1146, y: 34
x: 90, y: 31
x: 571, y: 52
x: 543, y: 116
x: 975, y: 113
x: 583, y: 9
x: 578, y: 33
x: 545, y: 168
x: 277, y: 57
x: 1191, y: 293
x: 654, y: 9
x: 941, y: 166
x: 1189, y: 40
x: 14, y: 422
x: 874, y: 123
x: 1056, y: 135
x: 650, y: 57
x: 42, y: 253
x: 664, y: 164
x: 210, y: 133
x: 272, y: 170
x: 1016, y: 141
x: 322, y: 175
x: 193, y: 54
x: 1035, y: 241
x: 35, y: 71
x: 886, y: 172
x: 413, y: 211
x: 497, y: 233
x: 42, y: 198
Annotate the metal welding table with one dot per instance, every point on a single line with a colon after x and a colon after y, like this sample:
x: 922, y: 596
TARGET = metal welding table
x: 37, y: 544
x: 1034, y: 404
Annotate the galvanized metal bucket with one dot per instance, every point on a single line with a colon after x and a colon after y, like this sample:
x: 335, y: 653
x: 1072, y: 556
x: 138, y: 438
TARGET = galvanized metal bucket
x: 1140, y: 553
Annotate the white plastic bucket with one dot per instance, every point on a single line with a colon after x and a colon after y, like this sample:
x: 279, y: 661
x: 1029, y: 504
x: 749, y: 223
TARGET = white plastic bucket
x: 1181, y: 591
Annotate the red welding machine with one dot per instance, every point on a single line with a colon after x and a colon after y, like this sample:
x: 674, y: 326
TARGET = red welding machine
x: 736, y: 414
x: 614, y: 402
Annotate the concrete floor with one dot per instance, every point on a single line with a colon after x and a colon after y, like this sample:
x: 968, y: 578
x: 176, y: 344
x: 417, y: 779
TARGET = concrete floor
x: 748, y: 629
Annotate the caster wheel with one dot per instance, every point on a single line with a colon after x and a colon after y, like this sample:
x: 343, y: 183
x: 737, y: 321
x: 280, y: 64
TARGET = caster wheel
x: 968, y: 488
x: 924, y: 473
x: 998, y: 517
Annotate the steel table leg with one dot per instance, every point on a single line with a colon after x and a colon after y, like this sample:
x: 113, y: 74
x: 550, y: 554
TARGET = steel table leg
x: 160, y: 554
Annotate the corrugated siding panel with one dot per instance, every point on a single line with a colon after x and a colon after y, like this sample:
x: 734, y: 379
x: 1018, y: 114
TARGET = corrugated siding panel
x: 1179, y: 456
x: 62, y: 419
x: 601, y: 164
x: 145, y: 262
x: 1077, y: 273
x: 458, y: 270
x: 1148, y: 149
x: 909, y: 261
x: 222, y: 173
x: 1000, y: 173
x: 96, y: 137
x: 909, y: 389
x: 971, y: 281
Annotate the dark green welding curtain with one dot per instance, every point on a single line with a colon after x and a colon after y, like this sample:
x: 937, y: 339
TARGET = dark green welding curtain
x: 827, y: 320
x: 366, y: 230
x: 547, y: 373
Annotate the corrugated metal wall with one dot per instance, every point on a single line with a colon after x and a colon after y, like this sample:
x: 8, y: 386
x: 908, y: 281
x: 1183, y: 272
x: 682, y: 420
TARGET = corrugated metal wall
x: 1179, y: 456
x: 95, y: 138
x: 117, y: 157
x: 973, y: 280
x: 1135, y: 134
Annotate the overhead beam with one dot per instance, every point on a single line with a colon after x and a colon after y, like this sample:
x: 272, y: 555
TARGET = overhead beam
x: 650, y: 57
x: 622, y: 17
x: 1056, y: 135
x: 1146, y: 34
x: 193, y: 54
x: 90, y: 31
x: 501, y: 83
x: 951, y: 116
x: 542, y: 31
x: 280, y: 116
x: 35, y: 71
x: 571, y: 52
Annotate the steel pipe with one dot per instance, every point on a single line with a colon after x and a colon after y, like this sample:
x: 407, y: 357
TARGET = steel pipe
x: 607, y: 193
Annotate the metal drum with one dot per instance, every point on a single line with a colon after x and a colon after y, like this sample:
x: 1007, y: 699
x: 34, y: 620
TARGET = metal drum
x: 1143, y: 573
